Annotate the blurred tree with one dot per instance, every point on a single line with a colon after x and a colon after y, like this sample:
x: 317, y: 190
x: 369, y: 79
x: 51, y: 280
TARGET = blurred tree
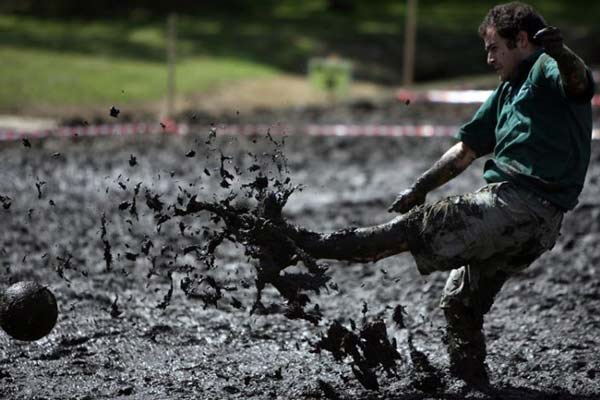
x: 104, y: 8
x: 341, y: 6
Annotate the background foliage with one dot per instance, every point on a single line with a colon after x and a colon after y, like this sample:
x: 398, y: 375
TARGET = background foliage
x: 75, y: 51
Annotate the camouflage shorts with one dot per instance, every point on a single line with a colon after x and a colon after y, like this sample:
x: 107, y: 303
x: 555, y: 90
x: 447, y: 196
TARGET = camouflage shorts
x: 501, y: 226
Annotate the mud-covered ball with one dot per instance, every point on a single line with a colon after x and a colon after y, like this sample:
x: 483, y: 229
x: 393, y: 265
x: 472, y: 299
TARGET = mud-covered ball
x: 28, y: 311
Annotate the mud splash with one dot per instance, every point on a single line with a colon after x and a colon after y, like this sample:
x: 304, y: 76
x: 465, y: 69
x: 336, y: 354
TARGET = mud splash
x: 248, y: 213
x: 371, y: 351
x: 369, y: 348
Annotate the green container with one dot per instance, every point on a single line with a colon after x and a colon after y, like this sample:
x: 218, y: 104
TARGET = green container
x: 331, y: 75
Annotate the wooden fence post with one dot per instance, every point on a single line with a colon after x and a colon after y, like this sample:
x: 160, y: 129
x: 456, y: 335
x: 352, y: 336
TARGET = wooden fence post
x: 410, y: 38
x: 171, y: 61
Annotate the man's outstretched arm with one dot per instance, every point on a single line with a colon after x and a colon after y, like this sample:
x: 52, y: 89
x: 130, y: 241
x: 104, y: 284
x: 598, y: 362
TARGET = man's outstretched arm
x: 450, y: 165
x: 572, y: 69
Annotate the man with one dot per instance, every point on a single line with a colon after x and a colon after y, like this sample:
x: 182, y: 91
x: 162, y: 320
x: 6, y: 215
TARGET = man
x: 537, y: 125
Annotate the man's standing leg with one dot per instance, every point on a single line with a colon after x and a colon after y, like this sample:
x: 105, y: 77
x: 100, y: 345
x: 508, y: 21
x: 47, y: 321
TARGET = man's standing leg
x: 468, y: 296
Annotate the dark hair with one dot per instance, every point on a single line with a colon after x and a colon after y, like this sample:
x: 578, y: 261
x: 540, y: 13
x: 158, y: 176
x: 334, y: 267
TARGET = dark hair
x: 511, y: 18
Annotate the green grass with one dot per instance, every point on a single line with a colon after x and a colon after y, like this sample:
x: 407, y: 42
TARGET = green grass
x: 56, y: 61
x: 47, y: 77
x: 48, y: 62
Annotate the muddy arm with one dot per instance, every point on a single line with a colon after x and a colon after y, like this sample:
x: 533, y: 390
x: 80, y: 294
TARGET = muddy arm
x: 450, y: 165
x: 572, y: 69
x: 572, y: 73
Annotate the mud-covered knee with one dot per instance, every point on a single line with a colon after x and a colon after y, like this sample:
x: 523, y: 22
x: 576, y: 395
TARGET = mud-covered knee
x: 456, y: 289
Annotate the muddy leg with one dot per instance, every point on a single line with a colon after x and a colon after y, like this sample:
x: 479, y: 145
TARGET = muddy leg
x: 354, y: 244
x: 467, y: 297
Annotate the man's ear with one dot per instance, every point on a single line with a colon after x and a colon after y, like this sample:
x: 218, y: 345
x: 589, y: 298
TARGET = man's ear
x: 522, y: 40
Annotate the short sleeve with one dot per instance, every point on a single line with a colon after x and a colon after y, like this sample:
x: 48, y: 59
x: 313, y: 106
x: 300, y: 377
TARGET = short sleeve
x: 480, y: 133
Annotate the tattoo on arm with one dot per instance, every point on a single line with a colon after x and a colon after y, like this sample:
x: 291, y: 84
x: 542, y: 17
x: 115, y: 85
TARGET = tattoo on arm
x: 452, y: 163
x: 572, y: 72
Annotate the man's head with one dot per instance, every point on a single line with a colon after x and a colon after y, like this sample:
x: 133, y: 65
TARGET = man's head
x: 507, y: 31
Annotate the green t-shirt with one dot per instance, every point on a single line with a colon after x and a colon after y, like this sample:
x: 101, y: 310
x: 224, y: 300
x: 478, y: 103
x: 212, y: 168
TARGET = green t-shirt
x: 540, y: 138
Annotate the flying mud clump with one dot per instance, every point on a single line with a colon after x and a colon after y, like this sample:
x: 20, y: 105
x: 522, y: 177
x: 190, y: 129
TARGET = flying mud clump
x: 250, y: 215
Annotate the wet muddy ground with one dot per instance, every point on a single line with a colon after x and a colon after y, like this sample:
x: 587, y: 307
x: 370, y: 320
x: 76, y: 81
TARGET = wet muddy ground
x: 78, y: 215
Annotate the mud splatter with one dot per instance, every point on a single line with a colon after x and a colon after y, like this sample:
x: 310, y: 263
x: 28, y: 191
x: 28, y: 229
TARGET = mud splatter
x: 115, y: 310
x: 133, y: 208
x: 258, y: 228
x: 205, y: 288
x: 114, y: 112
x: 6, y: 202
x: 154, y: 203
x: 167, y: 298
x: 39, y: 185
x: 64, y: 263
x: 225, y: 174
x: 108, y: 259
x: 369, y: 349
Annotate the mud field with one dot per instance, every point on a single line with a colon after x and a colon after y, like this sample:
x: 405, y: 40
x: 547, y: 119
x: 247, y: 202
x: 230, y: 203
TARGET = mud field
x: 143, y: 314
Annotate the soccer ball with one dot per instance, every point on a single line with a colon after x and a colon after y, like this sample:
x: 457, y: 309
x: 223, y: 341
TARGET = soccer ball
x: 28, y: 311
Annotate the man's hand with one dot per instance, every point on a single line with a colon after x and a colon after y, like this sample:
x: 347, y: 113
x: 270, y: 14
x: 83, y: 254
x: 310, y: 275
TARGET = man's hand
x: 551, y: 38
x: 406, y: 200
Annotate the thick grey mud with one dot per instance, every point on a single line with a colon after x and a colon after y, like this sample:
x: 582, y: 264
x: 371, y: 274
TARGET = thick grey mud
x: 173, y: 280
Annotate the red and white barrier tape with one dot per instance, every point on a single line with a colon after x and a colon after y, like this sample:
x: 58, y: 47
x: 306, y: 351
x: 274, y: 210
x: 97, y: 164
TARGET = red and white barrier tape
x: 89, y: 130
x: 380, y: 130
x: 240, y: 129
x: 339, y: 130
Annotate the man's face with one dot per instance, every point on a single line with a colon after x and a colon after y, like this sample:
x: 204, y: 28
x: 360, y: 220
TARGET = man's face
x: 503, y: 59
